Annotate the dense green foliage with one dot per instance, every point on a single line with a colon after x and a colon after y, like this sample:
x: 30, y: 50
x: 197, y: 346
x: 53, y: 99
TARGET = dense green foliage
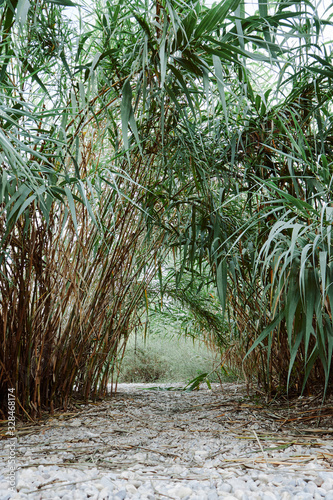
x: 155, y: 129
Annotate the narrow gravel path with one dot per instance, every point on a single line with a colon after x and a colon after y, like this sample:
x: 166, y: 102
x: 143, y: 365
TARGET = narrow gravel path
x: 160, y: 444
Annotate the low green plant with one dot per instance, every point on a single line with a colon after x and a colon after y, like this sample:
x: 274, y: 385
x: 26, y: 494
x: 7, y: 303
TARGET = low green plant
x: 169, y: 358
x: 143, y: 366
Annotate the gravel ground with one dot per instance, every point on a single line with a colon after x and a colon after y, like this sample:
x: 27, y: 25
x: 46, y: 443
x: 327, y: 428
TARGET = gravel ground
x: 162, y: 444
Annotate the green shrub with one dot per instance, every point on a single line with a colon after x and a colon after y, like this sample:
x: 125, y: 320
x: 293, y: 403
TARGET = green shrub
x: 169, y: 359
x: 143, y: 366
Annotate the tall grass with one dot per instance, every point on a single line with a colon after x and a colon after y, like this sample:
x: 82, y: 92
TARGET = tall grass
x: 69, y: 294
x: 143, y: 134
x: 77, y: 254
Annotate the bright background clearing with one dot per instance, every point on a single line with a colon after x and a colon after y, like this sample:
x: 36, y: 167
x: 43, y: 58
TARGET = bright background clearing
x: 165, y: 359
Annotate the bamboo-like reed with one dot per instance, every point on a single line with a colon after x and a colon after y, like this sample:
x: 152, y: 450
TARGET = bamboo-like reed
x: 70, y: 297
x: 147, y: 133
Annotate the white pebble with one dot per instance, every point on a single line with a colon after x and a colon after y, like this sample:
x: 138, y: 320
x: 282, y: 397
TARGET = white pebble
x: 4, y: 495
x: 120, y: 495
x: 327, y: 485
x: 21, y: 484
x: 304, y: 496
x: 104, y: 494
x: 78, y: 495
x: 239, y: 494
x: 268, y: 495
x: 263, y: 478
x: 251, y: 485
x: 212, y: 495
x: 225, y: 487
x: 136, y: 483
x: 131, y: 489
x: 180, y: 491
x: 202, y: 495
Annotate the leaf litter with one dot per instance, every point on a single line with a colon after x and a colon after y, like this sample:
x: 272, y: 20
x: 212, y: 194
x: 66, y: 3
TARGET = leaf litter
x: 218, y: 429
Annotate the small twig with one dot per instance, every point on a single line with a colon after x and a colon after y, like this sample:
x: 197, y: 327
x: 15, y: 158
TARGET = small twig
x: 161, y: 494
x: 259, y: 443
x: 51, y: 484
